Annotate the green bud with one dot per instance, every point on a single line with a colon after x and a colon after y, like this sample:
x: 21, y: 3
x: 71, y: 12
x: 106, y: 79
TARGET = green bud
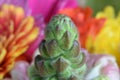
x: 60, y: 57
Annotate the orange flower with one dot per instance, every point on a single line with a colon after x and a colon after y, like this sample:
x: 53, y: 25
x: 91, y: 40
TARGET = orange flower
x: 16, y: 33
x: 82, y: 17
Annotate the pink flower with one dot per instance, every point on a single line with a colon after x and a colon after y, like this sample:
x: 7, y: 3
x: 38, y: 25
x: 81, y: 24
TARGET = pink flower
x: 19, y: 72
x: 101, y: 67
x: 48, y: 8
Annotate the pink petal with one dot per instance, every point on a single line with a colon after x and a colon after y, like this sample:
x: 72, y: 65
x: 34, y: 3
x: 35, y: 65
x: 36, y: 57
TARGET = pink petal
x: 19, y: 71
x: 47, y: 8
x: 99, y: 64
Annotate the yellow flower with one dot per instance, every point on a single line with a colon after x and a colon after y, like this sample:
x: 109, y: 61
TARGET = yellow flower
x: 108, y: 40
x: 16, y: 33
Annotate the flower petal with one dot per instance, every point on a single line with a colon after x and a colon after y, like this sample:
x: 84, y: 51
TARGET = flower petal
x: 101, y: 66
x: 19, y: 72
x: 47, y: 8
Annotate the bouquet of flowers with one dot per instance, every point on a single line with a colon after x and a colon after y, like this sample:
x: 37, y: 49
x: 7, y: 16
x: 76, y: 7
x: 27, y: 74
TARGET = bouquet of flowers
x: 59, y: 40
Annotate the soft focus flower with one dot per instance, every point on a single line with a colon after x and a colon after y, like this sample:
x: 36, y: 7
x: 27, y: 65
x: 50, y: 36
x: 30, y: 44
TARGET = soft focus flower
x: 82, y: 17
x: 17, y: 31
x: 19, y: 71
x: 101, y: 67
x: 39, y: 21
x: 48, y: 8
x: 108, y: 39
